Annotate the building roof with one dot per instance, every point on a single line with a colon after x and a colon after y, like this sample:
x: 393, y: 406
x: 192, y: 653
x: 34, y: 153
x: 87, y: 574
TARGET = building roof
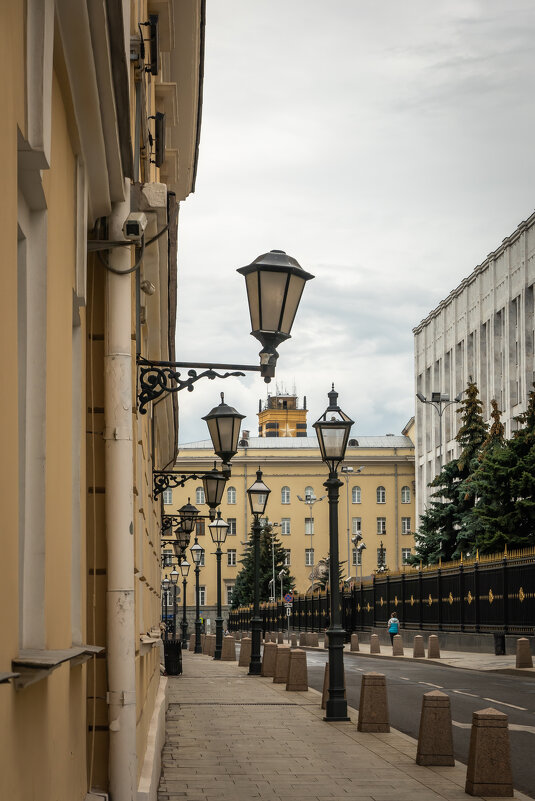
x: 301, y: 443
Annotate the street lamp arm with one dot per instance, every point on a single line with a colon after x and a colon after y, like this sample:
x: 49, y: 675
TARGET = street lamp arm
x: 170, y: 479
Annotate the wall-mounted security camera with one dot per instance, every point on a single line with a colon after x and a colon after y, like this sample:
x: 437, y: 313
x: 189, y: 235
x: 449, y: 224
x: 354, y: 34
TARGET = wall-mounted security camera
x: 135, y: 225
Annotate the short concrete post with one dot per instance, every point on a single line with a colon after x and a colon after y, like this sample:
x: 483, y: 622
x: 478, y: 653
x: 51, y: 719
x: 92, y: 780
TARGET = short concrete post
x: 280, y: 638
x: 268, y: 659
x: 325, y: 693
x: 397, y: 645
x: 245, y: 652
x: 375, y: 645
x: 228, y: 652
x: 192, y: 643
x: 523, y: 653
x: 354, y: 642
x: 489, y: 760
x: 297, y: 671
x: 435, y: 740
x: 313, y: 639
x: 293, y: 640
x: 326, y: 641
x: 237, y: 636
x: 282, y: 662
x: 212, y: 644
x: 418, y: 650
x: 303, y: 639
x: 433, y: 648
x: 203, y: 641
x: 373, y: 705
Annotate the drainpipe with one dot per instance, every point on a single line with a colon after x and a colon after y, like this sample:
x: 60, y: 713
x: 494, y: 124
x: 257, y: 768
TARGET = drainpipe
x: 119, y: 516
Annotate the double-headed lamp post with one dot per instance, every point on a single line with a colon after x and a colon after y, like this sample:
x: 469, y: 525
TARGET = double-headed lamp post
x: 218, y: 530
x: 332, y: 430
x: 258, y: 497
x: 184, y: 569
x: 197, y: 554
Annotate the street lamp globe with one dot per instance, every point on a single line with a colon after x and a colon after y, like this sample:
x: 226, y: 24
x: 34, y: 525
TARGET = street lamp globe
x: 275, y: 283
x: 174, y: 576
x: 214, y: 484
x: 333, y: 429
x: 224, y: 426
x: 182, y: 538
x: 188, y: 515
x: 196, y: 554
x: 218, y: 529
x: 165, y: 583
x: 258, y: 495
x: 184, y: 567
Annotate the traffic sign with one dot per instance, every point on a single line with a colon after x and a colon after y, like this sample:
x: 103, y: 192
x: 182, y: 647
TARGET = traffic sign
x: 288, y: 611
x: 288, y: 598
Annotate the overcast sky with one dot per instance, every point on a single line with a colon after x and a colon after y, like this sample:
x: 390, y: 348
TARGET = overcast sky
x: 387, y: 145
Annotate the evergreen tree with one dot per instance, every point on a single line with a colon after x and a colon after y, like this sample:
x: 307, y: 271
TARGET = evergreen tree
x: 244, y: 586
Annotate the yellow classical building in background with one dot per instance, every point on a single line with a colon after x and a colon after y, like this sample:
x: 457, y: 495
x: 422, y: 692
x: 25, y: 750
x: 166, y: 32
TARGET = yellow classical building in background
x: 377, y: 500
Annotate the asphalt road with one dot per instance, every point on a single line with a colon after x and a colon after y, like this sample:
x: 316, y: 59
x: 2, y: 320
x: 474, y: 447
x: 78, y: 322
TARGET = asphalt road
x: 469, y: 691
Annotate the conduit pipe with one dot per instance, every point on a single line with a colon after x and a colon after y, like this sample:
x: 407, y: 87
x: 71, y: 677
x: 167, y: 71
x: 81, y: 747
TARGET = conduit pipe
x: 119, y: 460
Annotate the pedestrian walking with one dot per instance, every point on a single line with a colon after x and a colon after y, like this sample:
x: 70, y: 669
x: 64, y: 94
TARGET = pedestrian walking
x: 393, y: 626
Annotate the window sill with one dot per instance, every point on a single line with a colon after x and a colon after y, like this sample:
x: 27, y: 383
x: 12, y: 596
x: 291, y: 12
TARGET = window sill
x: 36, y: 664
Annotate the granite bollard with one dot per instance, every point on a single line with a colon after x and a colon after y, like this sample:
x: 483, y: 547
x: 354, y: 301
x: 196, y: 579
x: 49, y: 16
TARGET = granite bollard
x: 397, y: 645
x: 204, y: 643
x: 297, y: 671
x: 228, y: 652
x: 303, y: 639
x: 373, y: 705
x: 418, y: 650
x: 523, y: 653
x: 313, y: 641
x: 211, y: 646
x: 435, y: 738
x: 354, y: 642
x: 237, y: 636
x: 489, y: 771
x: 282, y: 662
x: 433, y: 647
x: 268, y: 659
x: 375, y: 645
x: 245, y: 652
x: 280, y: 638
x: 293, y: 641
x: 192, y: 643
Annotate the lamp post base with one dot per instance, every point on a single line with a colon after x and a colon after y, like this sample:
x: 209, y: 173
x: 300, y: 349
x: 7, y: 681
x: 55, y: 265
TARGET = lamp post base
x: 184, y: 627
x: 255, y: 665
x: 336, y: 705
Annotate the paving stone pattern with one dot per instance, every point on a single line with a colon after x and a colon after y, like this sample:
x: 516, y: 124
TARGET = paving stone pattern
x: 232, y: 737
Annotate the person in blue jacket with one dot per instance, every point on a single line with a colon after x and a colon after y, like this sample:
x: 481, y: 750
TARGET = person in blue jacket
x: 393, y: 626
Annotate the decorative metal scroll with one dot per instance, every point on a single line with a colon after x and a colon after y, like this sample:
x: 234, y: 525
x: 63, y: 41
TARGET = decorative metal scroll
x: 160, y: 378
x: 168, y: 480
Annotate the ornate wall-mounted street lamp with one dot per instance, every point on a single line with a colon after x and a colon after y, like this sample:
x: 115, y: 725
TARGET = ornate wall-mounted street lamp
x: 258, y: 494
x: 275, y: 283
x: 197, y: 555
x: 184, y: 569
x: 224, y: 424
x: 332, y: 430
x: 218, y: 530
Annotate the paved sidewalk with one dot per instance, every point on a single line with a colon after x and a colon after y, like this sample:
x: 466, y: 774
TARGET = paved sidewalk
x: 233, y: 737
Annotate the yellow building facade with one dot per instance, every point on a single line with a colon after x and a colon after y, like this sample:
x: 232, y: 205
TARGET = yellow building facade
x: 376, y: 499
x: 92, y: 95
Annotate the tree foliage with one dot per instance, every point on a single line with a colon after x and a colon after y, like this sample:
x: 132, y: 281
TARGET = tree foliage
x: 244, y: 587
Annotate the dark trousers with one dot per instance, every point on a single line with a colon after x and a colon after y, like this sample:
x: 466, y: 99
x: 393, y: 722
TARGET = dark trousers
x: 392, y: 633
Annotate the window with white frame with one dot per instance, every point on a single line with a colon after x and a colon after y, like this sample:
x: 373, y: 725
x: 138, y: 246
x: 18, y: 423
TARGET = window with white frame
x: 356, y: 525
x: 309, y: 525
x: 357, y: 557
x: 230, y: 590
x: 231, y: 557
x: 309, y: 556
x: 285, y: 526
x: 231, y: 531
x: 231, y: 495
x: 405, y: 495
x: 202, y: 595
x: 199, y: 495
x: 381, y: 495
x: 381, y: 525
x: 167, y: 497
x: 405, y: 525
x: 309, y: 492
x: 405, y: 554
x: 285, y: 495
x: 287, y: 557
x: 356, y: 495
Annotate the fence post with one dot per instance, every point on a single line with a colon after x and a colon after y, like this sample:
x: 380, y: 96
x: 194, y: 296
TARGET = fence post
x: 461, y: 593
x: 505, y: 596
x: 476, y: 592
x: 403, y: 600
x: 420, y: 593
x: 373, y: 599
x: 388, y: 594
x: 439, y: 594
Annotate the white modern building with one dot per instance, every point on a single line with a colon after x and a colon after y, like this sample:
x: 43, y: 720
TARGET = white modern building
x: 485, y: 329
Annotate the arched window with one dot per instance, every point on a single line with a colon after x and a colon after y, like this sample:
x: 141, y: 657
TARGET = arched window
x: 309, y: 492
x: 231, y: 495
x: 356, y: 496
x: 285, y: 495
x: 381, y: 495
x: 405, y: 495
x: 199, y: 495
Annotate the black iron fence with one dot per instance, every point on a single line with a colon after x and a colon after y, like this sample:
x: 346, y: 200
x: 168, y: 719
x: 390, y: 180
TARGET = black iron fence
x: 487, y: 594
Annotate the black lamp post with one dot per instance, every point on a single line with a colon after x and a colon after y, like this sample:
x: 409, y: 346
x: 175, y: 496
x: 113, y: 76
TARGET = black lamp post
x: 174, y: 579
x: 258, y: 497
x: 184, y: 569
x: 333, y: 429
x: 218, y: 530
x: 197, y: 554
x: 165, y: 588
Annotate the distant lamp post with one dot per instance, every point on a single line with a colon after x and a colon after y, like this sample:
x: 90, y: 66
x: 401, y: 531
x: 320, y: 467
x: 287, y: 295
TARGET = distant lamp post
x: 165, y: 600
x: 197, y: 554
x: 224, y: 426
x: 275, y: 283
x: 282, y: 576
x: 440, y: 402
x: 332, y: 430
x: 174, y: 580
x: 184, y: 570
x: 258, y: 497
x: 218, y: 530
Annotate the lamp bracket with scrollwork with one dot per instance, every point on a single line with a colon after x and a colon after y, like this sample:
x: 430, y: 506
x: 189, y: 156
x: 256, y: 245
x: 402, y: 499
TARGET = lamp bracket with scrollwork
x: 170, y: 479
x: 160, y: 378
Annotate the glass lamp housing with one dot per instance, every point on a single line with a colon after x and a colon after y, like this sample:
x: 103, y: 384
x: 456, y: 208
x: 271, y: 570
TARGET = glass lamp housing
x: 196, y: 553
x: 182, y: 537
x: 333, y: 429
x: 165, y: 583
x: 214, y: 484
x: 184, y: 567
x: 258, y: 495
x: 174, y: 576
x: 224, y: 427
x: 218, y: 529
x: 188, y: 514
